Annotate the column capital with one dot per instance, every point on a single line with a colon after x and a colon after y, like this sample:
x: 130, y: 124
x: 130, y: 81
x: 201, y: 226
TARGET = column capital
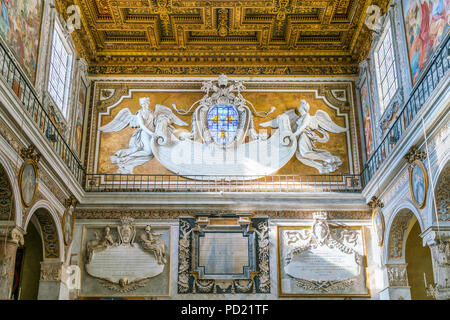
x: 12, y: 234
x: 51, y: 270
x: 397, y: 275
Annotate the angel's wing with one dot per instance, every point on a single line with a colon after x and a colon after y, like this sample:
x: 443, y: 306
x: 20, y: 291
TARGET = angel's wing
x: 123, y: 119
x: 324, y: 121
x: 292, y: 115
x: 160, y: 109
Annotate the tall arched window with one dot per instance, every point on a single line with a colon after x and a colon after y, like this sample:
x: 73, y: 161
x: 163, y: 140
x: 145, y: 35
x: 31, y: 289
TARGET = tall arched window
x: 386, y: 69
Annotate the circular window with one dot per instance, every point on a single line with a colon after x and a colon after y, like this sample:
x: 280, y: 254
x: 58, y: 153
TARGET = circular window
x: 223, y: 123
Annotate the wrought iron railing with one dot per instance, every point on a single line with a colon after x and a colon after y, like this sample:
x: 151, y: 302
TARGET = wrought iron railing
x: 433, y: 74
x: 30, y: 104
x: 176, y: 183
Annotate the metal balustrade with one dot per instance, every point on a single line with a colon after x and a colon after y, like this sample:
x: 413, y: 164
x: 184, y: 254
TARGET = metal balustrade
x: 247, y: 183
x: 16, y: 80
x: 430, y: 79
x: 99, y: 182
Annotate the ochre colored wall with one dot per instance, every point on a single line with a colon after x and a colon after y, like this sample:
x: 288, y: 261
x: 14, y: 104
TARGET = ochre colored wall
x: 113, y: 141
x: 31, y: 265
x: 418, y: 259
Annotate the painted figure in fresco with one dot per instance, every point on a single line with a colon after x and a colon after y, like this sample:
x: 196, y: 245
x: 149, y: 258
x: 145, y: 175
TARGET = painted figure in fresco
x: 152, y: 242
x: 367, y: 120
x: 79, y: 115
x: 426, y: 22
x: 20, y: 22
x: 28, y: 184
x: 6, y: 5
x: 418, y: 185
x: 68, y: 226
x: 151, y: 125
x: 305, y: 127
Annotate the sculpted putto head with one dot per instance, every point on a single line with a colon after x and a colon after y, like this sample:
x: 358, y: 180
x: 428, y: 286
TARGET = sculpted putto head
x: 222, y: 81
x: 144, y: 102
x: 303, y: 108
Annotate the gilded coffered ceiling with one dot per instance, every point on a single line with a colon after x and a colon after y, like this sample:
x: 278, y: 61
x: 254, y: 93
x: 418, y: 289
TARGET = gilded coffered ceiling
x: 175, y: 37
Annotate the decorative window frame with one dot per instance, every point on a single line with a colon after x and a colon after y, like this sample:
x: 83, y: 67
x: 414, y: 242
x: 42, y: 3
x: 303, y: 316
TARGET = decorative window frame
x: 63, y: 120
x: 81, y: 78
x: 365, y: 77
x: 384, y: 120
x: 67, y: 43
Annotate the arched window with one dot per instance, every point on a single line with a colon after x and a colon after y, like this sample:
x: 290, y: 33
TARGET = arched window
x: 386, y: 68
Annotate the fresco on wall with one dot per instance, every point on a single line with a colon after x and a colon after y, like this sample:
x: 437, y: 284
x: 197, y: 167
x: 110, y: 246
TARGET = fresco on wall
x: 367, y: 118
x: 426, y: 24
x: 79, y: 118
x: 110, y: 142
x: 20, y: 23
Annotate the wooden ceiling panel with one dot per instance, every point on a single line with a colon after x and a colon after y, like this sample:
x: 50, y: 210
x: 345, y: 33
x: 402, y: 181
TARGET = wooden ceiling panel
x: 311, y: 37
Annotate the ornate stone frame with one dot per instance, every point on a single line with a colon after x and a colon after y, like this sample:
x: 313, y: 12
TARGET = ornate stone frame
x: 420, y: 164
x: 377, y: 211
x: 139, y: 225
x: 36, y: 173
x: 282, y: 294
x: 191, y: 281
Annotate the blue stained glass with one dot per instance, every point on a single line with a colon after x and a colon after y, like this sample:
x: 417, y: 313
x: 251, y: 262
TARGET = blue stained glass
x: 223, y: 122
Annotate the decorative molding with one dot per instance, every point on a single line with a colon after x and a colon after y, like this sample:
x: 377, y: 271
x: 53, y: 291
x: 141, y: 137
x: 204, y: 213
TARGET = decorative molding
x: 442, y: 192
x: 397, y: 234
x: 415, y: 154
x: 375, y: 203
x: 7, y: 209
x: 397, y: 275
x: 175, y: 214
x: 30, y: 153
x: 51, y: 271
x: 49, y: 233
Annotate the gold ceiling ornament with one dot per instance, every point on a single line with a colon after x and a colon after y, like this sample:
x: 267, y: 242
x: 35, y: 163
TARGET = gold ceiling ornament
x: 256, y: 37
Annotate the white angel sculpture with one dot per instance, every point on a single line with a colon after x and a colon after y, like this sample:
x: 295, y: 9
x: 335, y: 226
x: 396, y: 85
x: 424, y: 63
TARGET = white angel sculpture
x: 304, y: 127
x: 152, y: 125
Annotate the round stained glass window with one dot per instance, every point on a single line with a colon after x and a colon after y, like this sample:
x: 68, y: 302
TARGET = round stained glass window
x: 223, y: 123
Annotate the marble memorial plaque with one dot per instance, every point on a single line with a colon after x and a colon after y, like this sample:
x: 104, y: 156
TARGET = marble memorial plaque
x: 125, y: 260
x: 223, y: 253
x: 321, y: 261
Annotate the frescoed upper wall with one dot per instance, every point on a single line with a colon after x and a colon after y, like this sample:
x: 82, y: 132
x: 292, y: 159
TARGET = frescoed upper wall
x: 20, y: 24
x: 111, y: 100
x: 426, y: 24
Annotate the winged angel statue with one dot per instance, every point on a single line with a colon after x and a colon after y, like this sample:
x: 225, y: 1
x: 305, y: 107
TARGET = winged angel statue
x: 152, y: 126
x: 305, y: 127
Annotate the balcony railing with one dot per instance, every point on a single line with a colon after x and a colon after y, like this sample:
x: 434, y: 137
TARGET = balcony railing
x: 30, y: 104
x: 24, y: 91
x: 175, y: 183
x: 433, y: 74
